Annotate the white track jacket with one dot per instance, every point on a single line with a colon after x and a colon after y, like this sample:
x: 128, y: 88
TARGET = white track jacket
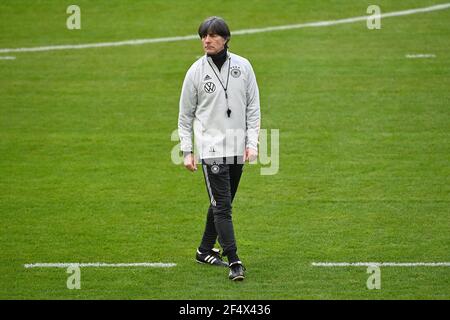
x: 204, y: 105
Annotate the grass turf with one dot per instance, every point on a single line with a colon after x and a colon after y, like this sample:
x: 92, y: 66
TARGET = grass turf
x: 85, y: 150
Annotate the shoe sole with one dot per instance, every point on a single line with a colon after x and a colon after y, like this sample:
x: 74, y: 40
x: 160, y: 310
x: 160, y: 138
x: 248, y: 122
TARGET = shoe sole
x: 214, y: 265
x: 238, y: 278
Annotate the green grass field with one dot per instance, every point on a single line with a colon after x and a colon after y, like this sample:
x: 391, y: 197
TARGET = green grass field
x: 86, y: 173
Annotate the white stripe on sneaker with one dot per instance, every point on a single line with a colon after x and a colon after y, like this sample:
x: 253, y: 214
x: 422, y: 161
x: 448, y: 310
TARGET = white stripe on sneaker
x: 236, y: 262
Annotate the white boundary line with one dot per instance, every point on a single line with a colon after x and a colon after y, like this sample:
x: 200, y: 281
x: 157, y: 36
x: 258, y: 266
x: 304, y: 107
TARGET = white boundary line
x: 239, y: 32
x: 381, y: 264
x: 7, y: 58
x: 420, y: 56
x: 100, y: 265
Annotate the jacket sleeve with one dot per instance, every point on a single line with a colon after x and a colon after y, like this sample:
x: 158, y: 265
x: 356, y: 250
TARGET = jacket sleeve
x: 252, y: 111
x: 188, y: 105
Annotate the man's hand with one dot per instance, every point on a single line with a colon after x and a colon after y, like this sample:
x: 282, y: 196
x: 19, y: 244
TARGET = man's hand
x: 190, y: 163
x: 250, y: 155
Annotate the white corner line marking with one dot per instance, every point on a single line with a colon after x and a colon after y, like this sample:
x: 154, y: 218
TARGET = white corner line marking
x: 380, y: 264
x: 239, y: 32
x: 100, y: 265
x: 420, y: 56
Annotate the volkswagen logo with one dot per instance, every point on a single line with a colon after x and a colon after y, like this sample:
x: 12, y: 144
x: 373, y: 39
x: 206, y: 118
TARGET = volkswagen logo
x: 209, y: 87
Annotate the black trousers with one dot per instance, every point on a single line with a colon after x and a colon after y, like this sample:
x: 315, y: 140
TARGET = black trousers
x: 222, y: 181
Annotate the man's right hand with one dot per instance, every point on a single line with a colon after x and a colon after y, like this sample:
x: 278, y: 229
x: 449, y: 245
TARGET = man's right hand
x: 190, y: 163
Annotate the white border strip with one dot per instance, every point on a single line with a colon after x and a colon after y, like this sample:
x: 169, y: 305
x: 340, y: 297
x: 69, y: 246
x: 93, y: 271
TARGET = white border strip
x: 348, y: 20
x: 7, y: 58
x: 100, y: 265
x: 380, y: 264
x: 420, y: 56
x: 239, y: 32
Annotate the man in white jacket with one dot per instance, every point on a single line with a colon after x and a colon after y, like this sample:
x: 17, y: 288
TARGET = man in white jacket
x: 219, y: 109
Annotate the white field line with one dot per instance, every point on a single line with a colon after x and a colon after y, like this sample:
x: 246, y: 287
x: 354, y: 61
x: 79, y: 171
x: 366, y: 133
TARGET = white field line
x: 381, y: 264
x: 100, y: 265
x: 347, y: 20
x: 7, y: 58
x: 420, y: 56
x: 239, y: 32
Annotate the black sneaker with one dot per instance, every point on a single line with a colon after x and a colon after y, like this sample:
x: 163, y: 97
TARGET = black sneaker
x: 212, y: 257
x: 236, y: 271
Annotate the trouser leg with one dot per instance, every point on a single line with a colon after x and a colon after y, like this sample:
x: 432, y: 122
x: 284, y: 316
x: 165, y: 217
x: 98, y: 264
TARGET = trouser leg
x: 235, y: 177
x: 222, y: 186
x: 210, y: 234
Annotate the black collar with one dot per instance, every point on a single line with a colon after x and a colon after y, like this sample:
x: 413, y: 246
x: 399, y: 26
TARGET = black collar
x: 219, y: 58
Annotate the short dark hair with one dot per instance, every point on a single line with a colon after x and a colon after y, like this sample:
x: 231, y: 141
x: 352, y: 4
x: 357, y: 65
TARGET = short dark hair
x: 214, y: 25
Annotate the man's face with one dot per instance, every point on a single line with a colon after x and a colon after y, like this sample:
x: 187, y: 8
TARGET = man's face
x: 213, y: 43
